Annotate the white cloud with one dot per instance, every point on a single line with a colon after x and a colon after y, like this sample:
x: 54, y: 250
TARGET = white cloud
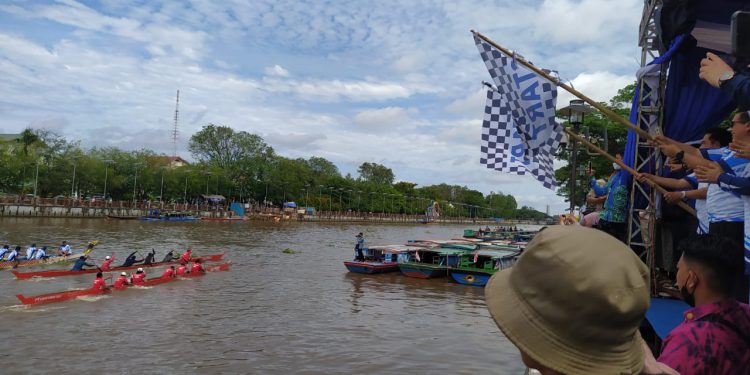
x: 599, y: 86
x: 472, y: 104
x: 410, y: 68
x: 383, y: 118
x: 276, y: 70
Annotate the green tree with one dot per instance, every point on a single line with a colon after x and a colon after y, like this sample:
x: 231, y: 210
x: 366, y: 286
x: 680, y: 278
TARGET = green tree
x: 375, y: 173
x: 594, y: 124
x: 221, y: 146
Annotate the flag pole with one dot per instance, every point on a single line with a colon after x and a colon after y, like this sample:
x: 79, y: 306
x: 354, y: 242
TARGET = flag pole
x: 608, y: 112
x: 624, y: 166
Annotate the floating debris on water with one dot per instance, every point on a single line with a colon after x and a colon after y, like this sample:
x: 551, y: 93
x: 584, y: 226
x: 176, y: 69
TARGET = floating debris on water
x: 289, y: 251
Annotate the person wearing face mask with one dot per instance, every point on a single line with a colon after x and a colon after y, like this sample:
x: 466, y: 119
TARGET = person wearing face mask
x: 714, y: 338
x: 612, y: 218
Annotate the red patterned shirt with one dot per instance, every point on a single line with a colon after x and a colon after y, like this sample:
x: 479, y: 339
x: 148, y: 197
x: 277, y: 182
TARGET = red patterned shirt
x: 713, y: 339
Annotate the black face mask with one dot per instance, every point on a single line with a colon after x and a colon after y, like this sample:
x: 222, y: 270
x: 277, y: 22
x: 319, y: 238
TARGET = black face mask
x: 687, y: 297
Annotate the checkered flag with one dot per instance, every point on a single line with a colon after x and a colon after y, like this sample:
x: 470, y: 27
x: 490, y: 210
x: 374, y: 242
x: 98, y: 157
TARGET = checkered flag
x: 503, y: 148
x: 520, y: 134
x: 530, y: 99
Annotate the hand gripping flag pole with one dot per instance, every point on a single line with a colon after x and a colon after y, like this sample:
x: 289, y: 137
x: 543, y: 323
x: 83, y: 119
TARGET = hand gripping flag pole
x: 606, y: 111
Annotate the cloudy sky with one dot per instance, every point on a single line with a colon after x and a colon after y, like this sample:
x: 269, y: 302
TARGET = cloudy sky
x: 391, y: 82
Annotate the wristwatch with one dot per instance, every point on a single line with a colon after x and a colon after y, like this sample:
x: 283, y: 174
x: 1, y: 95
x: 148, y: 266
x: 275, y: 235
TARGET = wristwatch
x: 725, y: 77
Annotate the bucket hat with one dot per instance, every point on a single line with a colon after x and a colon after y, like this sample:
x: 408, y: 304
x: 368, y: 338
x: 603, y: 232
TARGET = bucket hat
x: 573, y: 302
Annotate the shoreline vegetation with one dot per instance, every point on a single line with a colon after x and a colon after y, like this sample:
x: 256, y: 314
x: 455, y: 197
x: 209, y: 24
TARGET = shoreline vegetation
x: 38, y: 165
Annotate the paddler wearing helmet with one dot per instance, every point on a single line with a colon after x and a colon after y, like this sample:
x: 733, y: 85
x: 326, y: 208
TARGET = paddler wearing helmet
x: 122, y: 281
x: 139, y: 277
x: 107, y: 262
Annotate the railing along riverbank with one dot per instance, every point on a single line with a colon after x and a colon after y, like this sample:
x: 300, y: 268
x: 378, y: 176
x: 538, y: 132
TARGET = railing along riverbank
x: 19, y: 206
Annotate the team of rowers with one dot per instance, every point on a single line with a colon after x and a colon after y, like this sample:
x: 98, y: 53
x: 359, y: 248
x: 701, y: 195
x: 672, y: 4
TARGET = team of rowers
x: 32, y: 252
x: 139, y: 276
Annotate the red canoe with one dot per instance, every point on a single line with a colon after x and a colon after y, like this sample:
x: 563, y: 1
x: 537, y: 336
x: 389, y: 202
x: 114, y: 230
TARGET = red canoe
x: 57, y: 273
x: 71, y: 294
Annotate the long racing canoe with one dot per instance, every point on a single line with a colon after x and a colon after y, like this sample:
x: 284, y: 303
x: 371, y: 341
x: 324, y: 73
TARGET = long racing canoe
x: 71, y: 294
x: 57, y: 273
x: 50, y: 260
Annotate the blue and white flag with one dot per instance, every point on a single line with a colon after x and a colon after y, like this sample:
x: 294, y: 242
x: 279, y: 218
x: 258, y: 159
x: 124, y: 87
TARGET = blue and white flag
x: 503, y: 148
x: 525, y: 114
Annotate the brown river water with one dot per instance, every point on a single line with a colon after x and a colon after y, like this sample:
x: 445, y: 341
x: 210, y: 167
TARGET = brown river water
x: 273, y: 313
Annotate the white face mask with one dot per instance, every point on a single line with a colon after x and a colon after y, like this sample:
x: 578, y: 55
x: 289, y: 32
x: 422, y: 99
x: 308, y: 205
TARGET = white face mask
x: 616, y: 166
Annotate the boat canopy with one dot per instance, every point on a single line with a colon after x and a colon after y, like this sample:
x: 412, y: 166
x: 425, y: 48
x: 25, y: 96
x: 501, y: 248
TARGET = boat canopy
x: 394, y: 249
x: 497, y: 254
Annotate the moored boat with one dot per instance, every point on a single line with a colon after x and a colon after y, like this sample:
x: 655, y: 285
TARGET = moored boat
x: 235, y: 218
x: 72, y: 294
x: 476, y: 268
x: 58, y: 273
x: 381, y: 259
x: 155, y: 215
x: 429, y: 263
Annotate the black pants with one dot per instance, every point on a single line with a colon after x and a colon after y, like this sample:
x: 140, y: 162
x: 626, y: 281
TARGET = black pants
x: 616, y: 230
x: 360, y: 255
x: 734, y: 231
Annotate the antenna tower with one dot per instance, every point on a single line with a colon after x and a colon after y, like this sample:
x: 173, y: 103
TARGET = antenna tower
x: 175, y: 132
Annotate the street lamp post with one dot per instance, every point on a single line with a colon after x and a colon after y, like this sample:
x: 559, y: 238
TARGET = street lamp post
x: 73, y: 182
x: 320, y: 195
x: 184, y: 193
x: 575, y: 111
x: 36, y: 177
x: 161, y: 189
x: 135, y: 182
x: 106, y: 165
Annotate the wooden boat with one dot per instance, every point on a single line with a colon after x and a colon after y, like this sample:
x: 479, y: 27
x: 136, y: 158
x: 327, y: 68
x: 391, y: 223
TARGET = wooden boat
x: 235, y: 218
x: 122, y: 217
x: 381, y: 259
x: 431, y: 262
x: 155, y: 215
x: 476, y: 268
x: 58, y: 273
x: 71, y: 294
x: 50, y: 260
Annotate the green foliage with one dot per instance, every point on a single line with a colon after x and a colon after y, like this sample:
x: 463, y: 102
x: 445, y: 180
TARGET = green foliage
x: 238, y: 165
x: 376, y: 173
x: 594, y: 123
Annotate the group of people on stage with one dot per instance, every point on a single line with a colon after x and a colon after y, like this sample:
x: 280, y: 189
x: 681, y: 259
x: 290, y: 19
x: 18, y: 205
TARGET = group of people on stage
x: 32, y: 252
x: 139, y: 277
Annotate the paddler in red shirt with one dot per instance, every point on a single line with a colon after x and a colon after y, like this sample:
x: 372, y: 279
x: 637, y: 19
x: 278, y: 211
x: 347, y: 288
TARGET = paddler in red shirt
x: 107, y: 262
x: 99, y: 283
x: 186, y: 256
x: 197, y: 267
x: 122, y: 281
x: 139, y: 277
x: 168, y: 273
x: 182, y: 269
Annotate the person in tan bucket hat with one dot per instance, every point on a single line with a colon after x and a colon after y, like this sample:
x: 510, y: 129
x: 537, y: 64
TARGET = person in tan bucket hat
x: 573, y: 302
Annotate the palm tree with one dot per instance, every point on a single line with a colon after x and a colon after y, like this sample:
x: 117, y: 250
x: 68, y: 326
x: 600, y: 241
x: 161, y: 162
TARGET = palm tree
x: 28, y: 137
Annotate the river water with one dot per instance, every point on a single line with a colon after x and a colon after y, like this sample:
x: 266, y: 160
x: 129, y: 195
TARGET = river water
x: 273, y: 313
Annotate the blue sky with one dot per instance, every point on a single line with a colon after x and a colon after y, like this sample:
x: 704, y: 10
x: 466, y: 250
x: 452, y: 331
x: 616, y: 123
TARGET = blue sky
x: 391, y: 82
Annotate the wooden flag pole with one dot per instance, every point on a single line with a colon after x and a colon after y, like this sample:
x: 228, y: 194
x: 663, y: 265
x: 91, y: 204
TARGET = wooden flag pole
x: 608, y: 112
x: 632, y: 171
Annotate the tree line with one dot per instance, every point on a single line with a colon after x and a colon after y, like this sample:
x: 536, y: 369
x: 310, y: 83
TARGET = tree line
x: 236, y: 164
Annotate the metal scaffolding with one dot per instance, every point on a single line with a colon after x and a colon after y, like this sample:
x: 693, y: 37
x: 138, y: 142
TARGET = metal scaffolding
x: 649, y: 117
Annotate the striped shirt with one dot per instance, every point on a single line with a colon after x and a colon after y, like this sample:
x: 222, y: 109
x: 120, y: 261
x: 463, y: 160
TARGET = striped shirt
x: 736, y: 176
x: 700, y: 204
x: 724, y: 203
